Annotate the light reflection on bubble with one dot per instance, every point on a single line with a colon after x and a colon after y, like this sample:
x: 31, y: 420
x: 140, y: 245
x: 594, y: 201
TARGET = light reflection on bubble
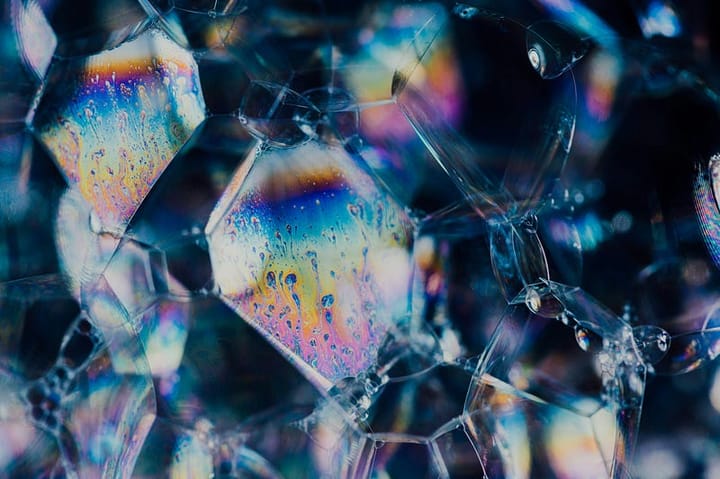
x: 113, y: 121
x: 310, y: 251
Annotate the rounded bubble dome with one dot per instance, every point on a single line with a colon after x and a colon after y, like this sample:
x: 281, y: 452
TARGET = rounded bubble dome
x: 360, y: 240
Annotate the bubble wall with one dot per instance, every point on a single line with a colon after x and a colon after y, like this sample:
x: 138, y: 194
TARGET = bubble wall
x: 381, y: 239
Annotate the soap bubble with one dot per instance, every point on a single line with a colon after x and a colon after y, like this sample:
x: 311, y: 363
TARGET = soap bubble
x: 358, y: 240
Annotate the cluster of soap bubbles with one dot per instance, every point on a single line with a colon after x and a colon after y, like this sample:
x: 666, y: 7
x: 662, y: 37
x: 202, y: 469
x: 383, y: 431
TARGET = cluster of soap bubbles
x: 378, y: 239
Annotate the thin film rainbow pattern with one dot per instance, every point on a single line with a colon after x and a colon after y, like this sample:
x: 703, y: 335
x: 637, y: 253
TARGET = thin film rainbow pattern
x: 122, y: 116
x: 314, y: 255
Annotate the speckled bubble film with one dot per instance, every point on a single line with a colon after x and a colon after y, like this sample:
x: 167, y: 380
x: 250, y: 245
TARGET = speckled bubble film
x: 313, y: 253
x: 113, y: 121
x: 381, y: 239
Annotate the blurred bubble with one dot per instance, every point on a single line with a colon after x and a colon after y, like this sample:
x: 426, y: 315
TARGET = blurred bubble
x: 658, y: 18
x: 323, y: 239
x: 653, y: 342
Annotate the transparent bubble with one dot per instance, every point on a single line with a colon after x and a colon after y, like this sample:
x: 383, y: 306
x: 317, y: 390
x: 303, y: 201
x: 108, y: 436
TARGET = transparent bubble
x: 375, y: 254
x: 278, y: 115
x: 196, y: 24
x: 28, y: 45
x: 94, y: 391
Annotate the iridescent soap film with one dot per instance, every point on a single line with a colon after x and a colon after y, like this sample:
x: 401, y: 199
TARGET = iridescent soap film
x: 310, y: 250
x: 359, y: 240
x: 113, y: 121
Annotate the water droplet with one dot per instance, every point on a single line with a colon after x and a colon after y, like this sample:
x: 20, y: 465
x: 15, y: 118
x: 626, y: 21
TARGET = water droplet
x: 553, y: 49
x: 652, y: 342
x: 465, y: 12
x: 588, y: 340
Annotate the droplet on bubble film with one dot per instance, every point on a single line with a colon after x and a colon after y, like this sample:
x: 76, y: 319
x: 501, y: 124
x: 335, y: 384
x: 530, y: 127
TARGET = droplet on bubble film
x: 553, y: 48
x: 686, y: 352
x: 113, y: 121
x: 588, y: 340
x: 95, y: 392
x: 539, y: 371
x: 340, y: 112
x: 653, y: 342
x: 196, y: 24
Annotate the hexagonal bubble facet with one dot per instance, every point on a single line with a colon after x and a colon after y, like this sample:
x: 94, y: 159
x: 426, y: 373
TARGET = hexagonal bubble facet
x: 312, y: 252
x: 113, y: 121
